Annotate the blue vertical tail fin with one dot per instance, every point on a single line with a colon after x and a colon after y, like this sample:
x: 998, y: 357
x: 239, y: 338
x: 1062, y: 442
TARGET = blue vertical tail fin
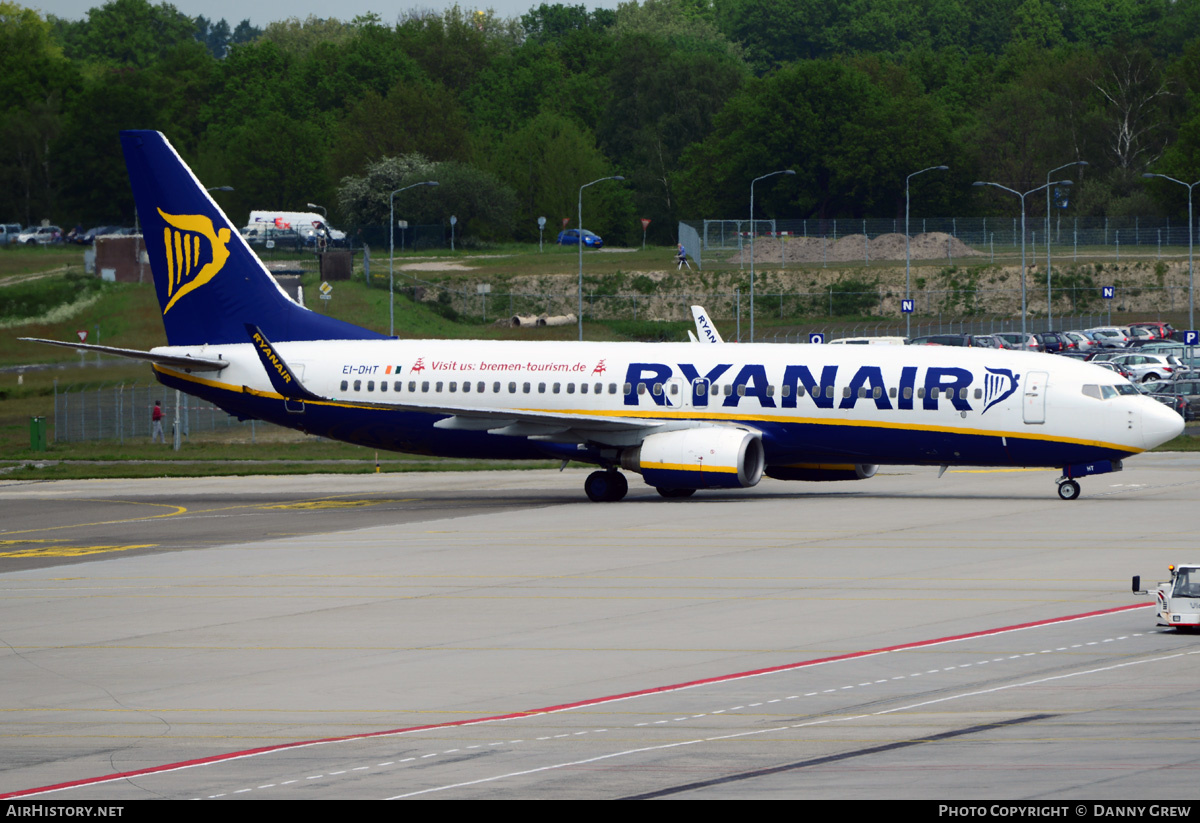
x: 209, y: 283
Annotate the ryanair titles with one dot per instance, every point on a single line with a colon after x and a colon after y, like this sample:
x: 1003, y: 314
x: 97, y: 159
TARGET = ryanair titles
x: 268, y: 357
x: 799, y: 383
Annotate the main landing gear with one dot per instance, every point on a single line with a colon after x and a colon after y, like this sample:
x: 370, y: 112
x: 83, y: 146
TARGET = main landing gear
x: 606, y: 486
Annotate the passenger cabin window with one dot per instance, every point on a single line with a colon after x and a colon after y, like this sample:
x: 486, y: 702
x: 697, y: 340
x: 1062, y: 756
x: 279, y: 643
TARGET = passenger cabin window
x: 358, y: 385
x: 345, y: 385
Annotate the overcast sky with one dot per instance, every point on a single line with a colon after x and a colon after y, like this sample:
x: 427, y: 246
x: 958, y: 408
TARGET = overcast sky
x: 234, y: 11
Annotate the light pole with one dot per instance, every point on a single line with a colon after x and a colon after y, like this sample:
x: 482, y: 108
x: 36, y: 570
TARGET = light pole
x: 907, y: 252
x: 752, y: 182
x: 1191, y: 282
x: 1022, y: 196
x: 211, y: 189
x: 324, y: 211
x: 579, y: 239
x: 1049, y: 293
x: 392, y: 252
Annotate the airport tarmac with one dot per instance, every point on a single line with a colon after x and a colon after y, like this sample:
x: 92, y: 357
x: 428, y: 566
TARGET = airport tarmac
x: 496, y: 635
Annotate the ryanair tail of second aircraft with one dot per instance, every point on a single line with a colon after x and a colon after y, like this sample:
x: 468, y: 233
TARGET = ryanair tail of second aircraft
x: 685, y: 416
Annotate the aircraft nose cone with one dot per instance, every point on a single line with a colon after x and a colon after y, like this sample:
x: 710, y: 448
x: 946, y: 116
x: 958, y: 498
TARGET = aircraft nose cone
x: 1160, y: 424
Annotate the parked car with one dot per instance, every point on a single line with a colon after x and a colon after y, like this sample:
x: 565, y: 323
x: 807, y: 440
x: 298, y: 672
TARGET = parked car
x: 1019, y: 341
x: 40, y: 236
x: 9, y: 232
x: 1053, y: 342
x: 570, y: 237
x: 991, y: 341
x: 88, y: 238
x: 1145, y: 367
x: 1110, y: 337
x: 1083, y: 341
x: 1160, y: 330
x: 943, y: 340
x: 1116, y: 367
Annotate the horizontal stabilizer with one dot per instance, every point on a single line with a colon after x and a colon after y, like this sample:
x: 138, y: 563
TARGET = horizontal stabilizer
x: 175, y: 361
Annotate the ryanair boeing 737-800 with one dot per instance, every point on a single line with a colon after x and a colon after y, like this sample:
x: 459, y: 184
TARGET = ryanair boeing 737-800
x: 683, y: 415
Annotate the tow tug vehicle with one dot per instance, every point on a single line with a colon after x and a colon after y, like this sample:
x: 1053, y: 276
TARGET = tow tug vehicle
x: 1178, y: 599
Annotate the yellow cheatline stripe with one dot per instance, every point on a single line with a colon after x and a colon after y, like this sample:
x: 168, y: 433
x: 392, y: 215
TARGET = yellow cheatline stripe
x: 690, y: 467
x: 693, y: 414
x: 71, y: 551
x: 178, y: 511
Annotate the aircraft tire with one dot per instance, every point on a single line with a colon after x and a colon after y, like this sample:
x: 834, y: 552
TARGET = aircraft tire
x: 1068, y: 490
x: 605, y: 486
x: 674, y: 494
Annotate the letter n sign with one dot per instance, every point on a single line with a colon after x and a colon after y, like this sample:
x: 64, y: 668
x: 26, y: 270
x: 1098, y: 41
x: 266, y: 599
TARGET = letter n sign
x: 1108, y: 292
x: 906, y: 306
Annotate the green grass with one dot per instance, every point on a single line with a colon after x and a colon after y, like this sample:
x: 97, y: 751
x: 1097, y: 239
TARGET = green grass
x: 1182, y: 443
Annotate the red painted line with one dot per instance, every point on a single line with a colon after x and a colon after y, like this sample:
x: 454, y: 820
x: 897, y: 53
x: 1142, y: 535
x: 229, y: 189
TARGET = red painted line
x: 594, y: 701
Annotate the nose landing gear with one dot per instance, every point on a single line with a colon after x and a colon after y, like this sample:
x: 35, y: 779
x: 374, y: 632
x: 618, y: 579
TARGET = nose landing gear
x: 1068, y: 489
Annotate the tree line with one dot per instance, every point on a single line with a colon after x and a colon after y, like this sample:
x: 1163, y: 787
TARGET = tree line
x: 688, y: 100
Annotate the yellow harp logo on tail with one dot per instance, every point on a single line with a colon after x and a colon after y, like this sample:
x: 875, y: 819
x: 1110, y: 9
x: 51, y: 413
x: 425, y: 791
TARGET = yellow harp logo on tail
x: 181, y: 236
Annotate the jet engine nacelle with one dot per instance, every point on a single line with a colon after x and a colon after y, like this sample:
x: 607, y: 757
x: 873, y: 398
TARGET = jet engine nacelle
x: 701, y: 458
x: 822, y: 471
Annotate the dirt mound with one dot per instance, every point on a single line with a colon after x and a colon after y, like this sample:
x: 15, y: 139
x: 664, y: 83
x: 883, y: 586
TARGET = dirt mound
x: 935, y: 245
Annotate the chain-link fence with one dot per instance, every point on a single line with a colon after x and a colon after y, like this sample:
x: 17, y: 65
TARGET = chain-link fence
x: 979, y: 232
x: 123, y: 412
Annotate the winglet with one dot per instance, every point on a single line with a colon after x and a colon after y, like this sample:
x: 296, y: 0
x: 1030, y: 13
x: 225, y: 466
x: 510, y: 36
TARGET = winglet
x: 704, y: 327
x: 282, y: 377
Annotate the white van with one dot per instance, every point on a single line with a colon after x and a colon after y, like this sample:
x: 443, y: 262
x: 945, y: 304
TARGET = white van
x: 305, y: 223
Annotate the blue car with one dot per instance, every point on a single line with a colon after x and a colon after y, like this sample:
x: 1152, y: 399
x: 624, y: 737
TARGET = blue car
x: 570, y: 237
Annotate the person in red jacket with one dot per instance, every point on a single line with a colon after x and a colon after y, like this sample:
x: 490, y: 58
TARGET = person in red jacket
x: 156, y: 429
